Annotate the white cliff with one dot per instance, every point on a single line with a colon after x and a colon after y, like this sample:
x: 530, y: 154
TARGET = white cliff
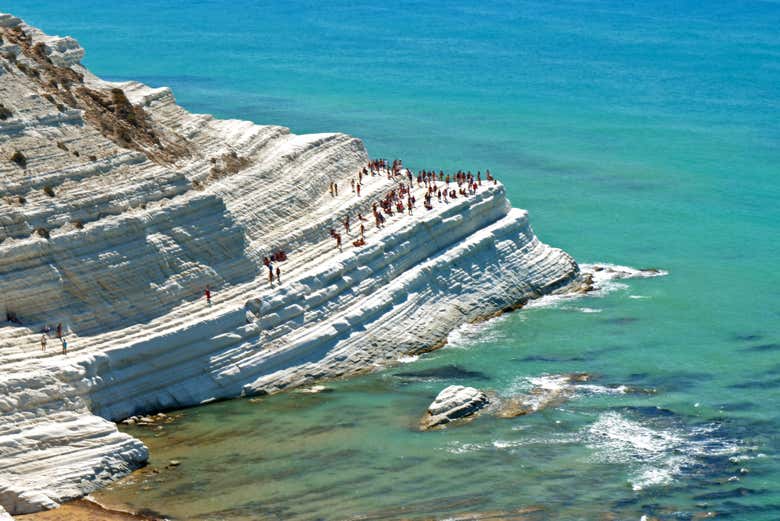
x: 118, y: 208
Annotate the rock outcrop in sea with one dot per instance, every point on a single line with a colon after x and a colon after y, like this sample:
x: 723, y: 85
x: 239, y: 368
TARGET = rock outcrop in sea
x: 453, y: 403
x: 118, y: 208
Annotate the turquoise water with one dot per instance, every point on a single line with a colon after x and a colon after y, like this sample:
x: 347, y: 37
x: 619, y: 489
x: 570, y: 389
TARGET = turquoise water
x: 640, y: 134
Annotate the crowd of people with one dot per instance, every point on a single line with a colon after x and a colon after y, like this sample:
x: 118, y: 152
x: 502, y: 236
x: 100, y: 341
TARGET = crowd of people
x: 401, y: 200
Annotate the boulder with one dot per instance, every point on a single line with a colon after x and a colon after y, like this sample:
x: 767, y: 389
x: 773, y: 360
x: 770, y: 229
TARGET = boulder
x: 452, y: 403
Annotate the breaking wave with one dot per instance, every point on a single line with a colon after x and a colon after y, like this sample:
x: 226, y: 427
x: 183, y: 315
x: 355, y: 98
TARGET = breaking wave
x: 656, y: 455
x: 606, y: 280
x: 470, y: 335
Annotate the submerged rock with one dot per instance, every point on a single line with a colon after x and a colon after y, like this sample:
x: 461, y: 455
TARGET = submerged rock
x: 595, y: 276
x: 452, y: 403
x: 445, y: 372
x: 549, y: 391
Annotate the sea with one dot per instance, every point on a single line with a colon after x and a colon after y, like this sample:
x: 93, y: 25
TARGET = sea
x: 642, y: 134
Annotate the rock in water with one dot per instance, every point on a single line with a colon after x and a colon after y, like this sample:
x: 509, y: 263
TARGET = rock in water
x: 452, y: 403
x: 549, y: 391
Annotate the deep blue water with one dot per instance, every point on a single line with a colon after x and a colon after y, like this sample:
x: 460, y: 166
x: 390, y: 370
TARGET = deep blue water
x: 644, y: 134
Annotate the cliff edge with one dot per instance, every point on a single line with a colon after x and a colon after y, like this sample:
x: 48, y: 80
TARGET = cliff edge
x: 118, y: 208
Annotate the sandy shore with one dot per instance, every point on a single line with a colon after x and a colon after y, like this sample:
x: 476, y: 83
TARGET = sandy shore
x: 85, y: 510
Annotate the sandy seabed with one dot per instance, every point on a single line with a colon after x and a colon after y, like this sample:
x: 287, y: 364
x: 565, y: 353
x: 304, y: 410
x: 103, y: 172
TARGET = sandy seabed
x: 84, y: 510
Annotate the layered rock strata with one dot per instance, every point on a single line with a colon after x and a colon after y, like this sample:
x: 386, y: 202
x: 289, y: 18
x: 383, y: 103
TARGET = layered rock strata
x: 119, y: 207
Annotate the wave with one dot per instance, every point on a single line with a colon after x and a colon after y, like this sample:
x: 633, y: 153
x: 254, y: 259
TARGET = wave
x: 559, y: 383
x: 458, y: 447
x: 657, y: 455
x: 606, y: 279
x: 604, y: 276
x: 469, y: 335
x: 655, y: 452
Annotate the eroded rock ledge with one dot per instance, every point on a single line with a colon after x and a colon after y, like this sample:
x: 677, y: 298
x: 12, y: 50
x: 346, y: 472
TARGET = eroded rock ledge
x: 119, y: 207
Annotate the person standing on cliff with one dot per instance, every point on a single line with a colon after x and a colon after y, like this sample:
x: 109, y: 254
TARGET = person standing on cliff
x: 64, y: 346
x: 278, y: 275
x: 59, y: 330
x: 208, y: 295
x: 43, y: 342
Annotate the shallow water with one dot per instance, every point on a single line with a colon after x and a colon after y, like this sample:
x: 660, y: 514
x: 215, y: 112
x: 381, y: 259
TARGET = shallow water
x: 643, y: 135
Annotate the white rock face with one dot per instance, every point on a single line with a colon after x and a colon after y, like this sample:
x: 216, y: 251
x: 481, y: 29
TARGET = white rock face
x: 120, y: 207
x: 452, y: 403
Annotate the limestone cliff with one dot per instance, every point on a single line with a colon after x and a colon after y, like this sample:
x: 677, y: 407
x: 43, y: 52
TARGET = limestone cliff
x: 119, y: 207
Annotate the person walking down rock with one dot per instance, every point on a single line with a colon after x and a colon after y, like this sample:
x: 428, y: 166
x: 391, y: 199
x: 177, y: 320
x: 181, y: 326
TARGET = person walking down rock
x: 278, y: 275
x: 43, y: 342
x: 207, y: 292
x: 64, y: 346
